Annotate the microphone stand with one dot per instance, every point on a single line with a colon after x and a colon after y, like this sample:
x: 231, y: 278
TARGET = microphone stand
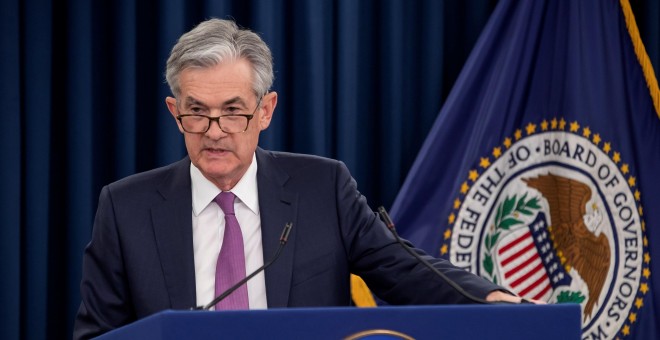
x: 390, y: 225
x: 283, y: 239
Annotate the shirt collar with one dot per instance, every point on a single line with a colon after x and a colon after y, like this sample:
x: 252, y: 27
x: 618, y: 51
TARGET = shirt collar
x: 203, y: 191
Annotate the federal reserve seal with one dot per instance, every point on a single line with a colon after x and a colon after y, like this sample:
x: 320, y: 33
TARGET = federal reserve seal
x: 554, y: 214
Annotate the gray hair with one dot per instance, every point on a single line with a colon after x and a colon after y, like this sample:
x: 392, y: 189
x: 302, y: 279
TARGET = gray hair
x: 212, y: 42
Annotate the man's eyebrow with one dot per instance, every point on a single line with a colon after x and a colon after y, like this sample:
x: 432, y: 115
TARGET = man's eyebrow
x: 188, y: 101
x: 235, y: 100
x: 192, y: 101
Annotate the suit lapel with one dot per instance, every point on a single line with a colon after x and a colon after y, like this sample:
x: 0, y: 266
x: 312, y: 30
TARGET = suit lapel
x: 277, y: 207
x: 172, y: 224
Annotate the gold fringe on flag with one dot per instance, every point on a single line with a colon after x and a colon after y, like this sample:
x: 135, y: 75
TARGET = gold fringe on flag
x: 360, y: 293
x: 640, y: 51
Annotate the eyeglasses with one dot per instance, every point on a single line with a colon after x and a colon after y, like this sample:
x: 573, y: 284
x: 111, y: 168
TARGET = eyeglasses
x: 230, y: 123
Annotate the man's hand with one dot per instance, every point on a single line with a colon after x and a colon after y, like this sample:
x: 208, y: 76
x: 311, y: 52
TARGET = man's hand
x: 498, y: 295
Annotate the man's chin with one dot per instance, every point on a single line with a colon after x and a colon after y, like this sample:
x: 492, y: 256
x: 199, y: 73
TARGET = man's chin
x: 215, y: 170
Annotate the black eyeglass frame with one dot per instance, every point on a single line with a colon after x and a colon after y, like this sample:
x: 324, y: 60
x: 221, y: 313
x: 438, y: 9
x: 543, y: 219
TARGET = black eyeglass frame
x: 249, y: 117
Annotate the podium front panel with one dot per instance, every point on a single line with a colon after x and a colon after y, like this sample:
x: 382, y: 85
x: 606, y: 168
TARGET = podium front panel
x: 419, y: 322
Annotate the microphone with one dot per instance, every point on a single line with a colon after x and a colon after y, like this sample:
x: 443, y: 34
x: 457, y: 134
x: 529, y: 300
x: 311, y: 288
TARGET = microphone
x: 390, y: 225
x: 283, y: 239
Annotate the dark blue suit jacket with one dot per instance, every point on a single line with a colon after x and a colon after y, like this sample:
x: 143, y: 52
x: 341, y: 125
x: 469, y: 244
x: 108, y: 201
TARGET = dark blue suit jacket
x: 140, y: 258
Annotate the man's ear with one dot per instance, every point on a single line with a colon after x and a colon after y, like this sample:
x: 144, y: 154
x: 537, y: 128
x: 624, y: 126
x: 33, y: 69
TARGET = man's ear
x: 268, y: 104
x: 171, y: 105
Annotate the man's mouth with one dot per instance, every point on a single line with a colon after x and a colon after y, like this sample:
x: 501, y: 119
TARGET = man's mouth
x: 216, y: 151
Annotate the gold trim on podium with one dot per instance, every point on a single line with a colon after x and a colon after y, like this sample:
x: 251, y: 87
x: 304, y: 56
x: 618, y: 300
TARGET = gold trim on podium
x: 366, y: 333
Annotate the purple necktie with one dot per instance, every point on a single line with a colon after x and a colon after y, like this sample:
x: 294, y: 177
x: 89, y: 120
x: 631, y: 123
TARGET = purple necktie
x: 231, y: 261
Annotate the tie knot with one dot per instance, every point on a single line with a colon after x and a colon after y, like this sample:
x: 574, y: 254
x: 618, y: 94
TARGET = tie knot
x: 225, y: 200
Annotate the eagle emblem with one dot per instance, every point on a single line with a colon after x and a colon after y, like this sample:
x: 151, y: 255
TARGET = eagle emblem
x: 576, y: 234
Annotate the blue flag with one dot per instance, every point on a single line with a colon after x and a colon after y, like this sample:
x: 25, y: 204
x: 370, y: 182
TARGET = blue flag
x: 542, y: 171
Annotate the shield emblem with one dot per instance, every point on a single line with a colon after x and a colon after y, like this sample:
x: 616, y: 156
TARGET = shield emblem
x: 529, y: 263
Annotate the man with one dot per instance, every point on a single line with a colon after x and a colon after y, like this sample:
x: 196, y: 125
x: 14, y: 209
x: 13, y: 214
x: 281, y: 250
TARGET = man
x: 159, y: 236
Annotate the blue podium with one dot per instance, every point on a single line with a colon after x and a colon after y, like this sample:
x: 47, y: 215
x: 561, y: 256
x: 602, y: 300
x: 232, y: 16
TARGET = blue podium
x: 418, y: 322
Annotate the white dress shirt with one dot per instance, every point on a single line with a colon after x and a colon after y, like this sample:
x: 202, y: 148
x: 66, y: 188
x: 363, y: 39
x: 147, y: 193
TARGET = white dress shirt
x: 208, y: 223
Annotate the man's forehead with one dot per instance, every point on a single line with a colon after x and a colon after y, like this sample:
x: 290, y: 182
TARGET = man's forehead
x: 229, y: 73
